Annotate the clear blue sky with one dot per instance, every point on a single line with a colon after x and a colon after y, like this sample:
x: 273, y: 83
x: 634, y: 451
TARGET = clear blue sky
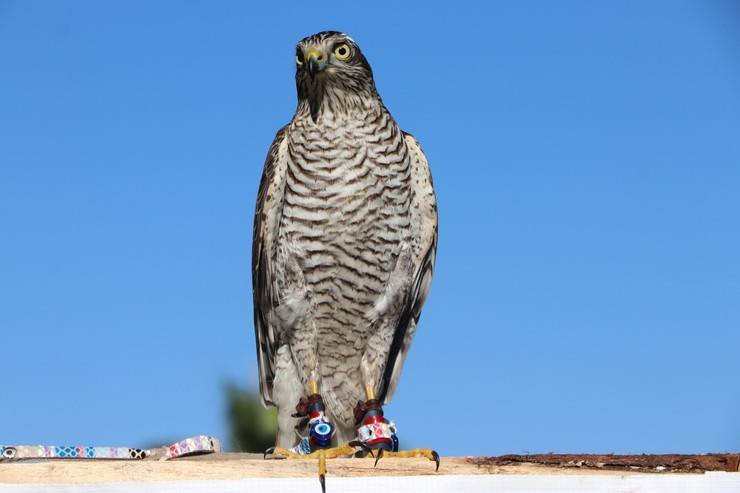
x: 587, y: 162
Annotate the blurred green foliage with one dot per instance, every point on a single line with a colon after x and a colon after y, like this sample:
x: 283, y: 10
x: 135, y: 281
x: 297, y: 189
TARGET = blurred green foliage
x: 252, y: 428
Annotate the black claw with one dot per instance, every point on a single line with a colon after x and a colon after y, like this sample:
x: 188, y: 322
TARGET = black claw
x: 322, y: 480
x: 436, y: 459
x: 365, y: 448
x: 378, y: 457
x: 269, y: 450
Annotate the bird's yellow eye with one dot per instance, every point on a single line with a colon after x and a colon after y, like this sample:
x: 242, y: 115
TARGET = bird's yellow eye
x: 342, y: 52
x: 299, y: 56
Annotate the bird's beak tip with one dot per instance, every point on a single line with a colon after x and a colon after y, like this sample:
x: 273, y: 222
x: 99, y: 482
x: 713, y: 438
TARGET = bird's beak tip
x: 313, y: 67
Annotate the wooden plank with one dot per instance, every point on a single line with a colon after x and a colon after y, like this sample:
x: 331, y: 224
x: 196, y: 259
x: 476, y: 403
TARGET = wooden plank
x: 233, y: 466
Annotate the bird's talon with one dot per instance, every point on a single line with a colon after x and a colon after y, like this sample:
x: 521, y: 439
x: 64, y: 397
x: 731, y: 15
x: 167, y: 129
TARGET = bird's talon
x: 378, y: 457
x: 278, y: 453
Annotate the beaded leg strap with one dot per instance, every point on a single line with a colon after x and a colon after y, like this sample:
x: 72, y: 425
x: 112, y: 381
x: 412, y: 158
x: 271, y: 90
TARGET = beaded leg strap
x: 320, y: 430
x: 373, y: 429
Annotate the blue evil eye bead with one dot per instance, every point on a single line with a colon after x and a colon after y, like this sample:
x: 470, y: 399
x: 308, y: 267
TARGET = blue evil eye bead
x: 321, y: 433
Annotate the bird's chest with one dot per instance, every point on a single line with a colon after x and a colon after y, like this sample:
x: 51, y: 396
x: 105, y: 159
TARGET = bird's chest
x: 346, y: 182
x: 345, y: 210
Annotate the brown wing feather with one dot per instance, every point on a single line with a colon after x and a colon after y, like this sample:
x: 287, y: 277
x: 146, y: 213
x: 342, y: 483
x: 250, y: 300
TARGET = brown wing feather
x: 266, y: 219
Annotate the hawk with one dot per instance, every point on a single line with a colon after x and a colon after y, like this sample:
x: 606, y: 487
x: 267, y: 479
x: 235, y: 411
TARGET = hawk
x: 345, y: 236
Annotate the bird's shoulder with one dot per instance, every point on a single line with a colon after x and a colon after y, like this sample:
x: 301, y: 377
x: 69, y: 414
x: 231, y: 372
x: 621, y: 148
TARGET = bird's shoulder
x: 273, y: 154
x: 421, y: 175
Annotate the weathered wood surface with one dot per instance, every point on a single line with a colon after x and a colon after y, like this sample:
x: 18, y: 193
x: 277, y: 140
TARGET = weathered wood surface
x: 243, y: 466
x: 639, y: 463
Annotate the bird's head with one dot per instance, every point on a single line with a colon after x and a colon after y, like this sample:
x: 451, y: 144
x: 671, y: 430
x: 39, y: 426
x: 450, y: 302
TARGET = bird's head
x: 331, y: 69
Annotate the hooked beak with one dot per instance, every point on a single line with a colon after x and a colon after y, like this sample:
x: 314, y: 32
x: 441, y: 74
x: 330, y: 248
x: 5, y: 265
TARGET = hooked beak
x: 315, y: 62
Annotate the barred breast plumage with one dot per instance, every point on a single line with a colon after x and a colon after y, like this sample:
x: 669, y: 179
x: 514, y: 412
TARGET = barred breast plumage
x: 346, y: 209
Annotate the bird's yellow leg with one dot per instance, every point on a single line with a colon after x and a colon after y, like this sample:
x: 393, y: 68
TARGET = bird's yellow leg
x: 313, y: 387
x: 369, y: 392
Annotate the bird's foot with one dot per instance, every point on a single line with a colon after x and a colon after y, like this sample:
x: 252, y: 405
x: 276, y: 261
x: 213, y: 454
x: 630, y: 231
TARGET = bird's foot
x: 321, y: 454
x: 378, y: 434
x: 316, y: 444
